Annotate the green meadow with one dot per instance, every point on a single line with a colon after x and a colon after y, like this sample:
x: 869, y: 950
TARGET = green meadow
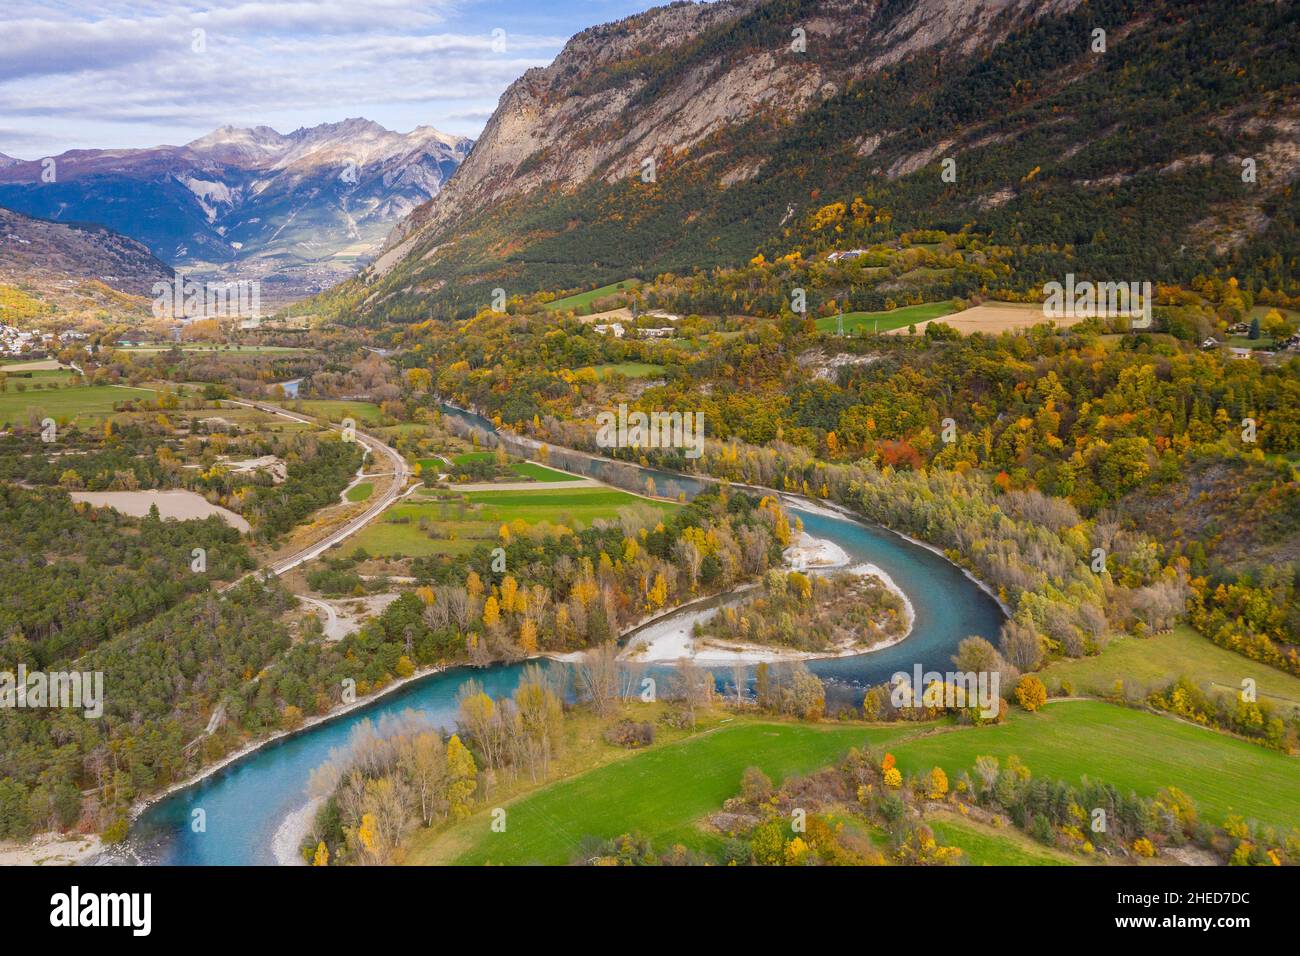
x: 1133, y: 750
x: 659, y: 793
x: 364, y: 413
x: 984, y: 845
x: 580, y: 302
x: 628, y: 369
x: 886, y: 321
x: 456, y: 522
x: 81, y: 403
x: 664, y: 792
x: 1147, y: 664
x: 361, y: 492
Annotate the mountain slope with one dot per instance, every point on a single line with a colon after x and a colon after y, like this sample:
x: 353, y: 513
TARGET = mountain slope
x: 298, y: 211
x: 42, y: 253
x: 1123, y: 163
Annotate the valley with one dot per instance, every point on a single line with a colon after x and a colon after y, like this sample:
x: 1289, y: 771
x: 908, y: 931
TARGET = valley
x: 764, y: 433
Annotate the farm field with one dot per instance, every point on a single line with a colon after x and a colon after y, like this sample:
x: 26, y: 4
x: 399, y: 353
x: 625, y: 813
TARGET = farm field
x: 365, y: 413
x: 886, y: 321
x: 1131, y: 749
x: 460, y: 521
x: 36, y: 377
x: 660, y: 793
x: 1153, y: 663
x: 80, y: 403
x: 575, y: 507
x: 627, y: 369
x: 580, y: 302
x: 530, y: 469
x: 993, y: 318
x: 524, y: 469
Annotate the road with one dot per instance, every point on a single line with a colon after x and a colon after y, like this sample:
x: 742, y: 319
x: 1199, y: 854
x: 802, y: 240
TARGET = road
x: 401, y: 473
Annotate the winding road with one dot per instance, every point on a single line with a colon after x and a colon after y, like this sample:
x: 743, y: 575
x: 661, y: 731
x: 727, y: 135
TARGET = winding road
x: 401, y: 474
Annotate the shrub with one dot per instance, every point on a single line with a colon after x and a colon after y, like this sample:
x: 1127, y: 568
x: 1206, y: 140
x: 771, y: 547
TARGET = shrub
x: 1031, y: 693
x: 631, y: 734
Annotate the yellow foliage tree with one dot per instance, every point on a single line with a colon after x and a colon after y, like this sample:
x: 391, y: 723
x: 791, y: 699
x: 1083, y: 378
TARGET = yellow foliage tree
x: 528, y: 636
x: 509, y: 591
x: 938, y: 784
x: 462, y: 775
x: 1031, y: 693
x: 491, y: 612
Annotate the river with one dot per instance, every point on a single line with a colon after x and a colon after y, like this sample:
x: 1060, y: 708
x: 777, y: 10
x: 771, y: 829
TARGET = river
x: 245, y: 803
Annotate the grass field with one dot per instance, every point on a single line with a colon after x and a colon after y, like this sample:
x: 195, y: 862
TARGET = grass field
x: 528, y: 469
x: 524, y: 469
x: 1131, y: 749
x: 984, y: 845
x: 579, y: 302
x: 81, y: 403
x: 664, y: 792
x: 365, y: 413
x: 361, y: 492
x: 459, y: 529
x: 575, y: 507
x: 660, y: 793
x: 628, y: 369
x: 886, y: 321
x: 1246, y: 342
x: 1153, y: 663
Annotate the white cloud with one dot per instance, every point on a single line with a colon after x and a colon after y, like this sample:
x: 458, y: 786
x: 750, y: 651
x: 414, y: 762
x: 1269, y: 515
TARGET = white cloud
x: 128, y: 73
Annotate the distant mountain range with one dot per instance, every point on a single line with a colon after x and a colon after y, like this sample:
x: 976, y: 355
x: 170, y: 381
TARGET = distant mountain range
x: 297, y: 211
x: 1082, y: 151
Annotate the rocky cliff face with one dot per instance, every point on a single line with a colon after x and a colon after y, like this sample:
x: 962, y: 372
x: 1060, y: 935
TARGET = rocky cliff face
x: 668, y: 80
x: 1120, y: 152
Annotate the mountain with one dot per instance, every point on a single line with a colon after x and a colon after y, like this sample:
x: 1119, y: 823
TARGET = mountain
x: 42, y: 253
x: 298, y: 211
x: 1118, y: 155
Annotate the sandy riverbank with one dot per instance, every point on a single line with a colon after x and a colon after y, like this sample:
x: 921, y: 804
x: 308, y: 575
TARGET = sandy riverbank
x: 51, y: 849
x: 292, y: 830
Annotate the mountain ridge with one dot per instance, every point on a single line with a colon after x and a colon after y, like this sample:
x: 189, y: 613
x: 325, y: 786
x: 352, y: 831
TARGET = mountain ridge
x: 750, y: 138
x: 297, y: 210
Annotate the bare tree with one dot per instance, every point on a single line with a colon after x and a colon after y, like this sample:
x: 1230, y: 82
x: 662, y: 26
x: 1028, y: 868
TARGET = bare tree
x: 739, y: 682
x: 695, y: 687
x: 596, y: 677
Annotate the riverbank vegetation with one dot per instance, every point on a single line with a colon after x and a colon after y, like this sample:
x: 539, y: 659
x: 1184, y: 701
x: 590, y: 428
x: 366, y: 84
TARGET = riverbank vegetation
x: 1036, y: 781
x: 826, y: 613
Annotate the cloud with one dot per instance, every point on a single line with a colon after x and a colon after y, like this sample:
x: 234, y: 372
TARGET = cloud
x: 159, y: 72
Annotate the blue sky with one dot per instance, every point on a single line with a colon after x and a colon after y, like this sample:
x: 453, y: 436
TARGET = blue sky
x: 130, y: 73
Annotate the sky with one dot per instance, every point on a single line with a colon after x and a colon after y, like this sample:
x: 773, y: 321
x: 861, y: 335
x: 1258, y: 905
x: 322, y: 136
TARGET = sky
x: 136, y: 73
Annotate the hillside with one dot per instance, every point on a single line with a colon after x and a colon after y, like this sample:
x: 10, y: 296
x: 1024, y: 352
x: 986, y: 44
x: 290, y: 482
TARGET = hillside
x: 1123, y: 163
x: 299, y: 211
x: 77, y: 265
